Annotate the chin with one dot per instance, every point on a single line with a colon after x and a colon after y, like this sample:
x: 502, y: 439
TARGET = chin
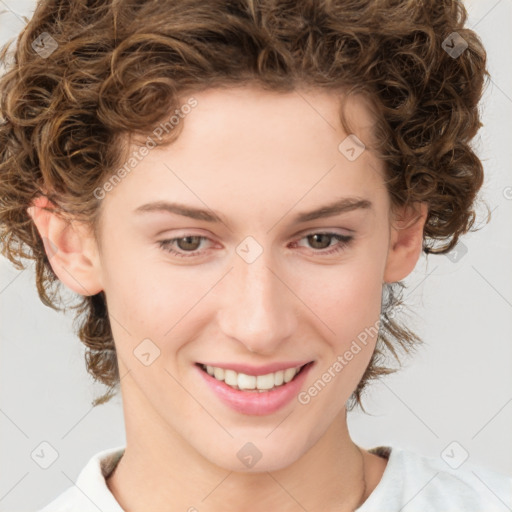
x: 256, y: 456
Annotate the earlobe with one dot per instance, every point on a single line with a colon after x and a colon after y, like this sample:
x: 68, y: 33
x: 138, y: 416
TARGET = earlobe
x: 70, y: 248
x: 406, y: 242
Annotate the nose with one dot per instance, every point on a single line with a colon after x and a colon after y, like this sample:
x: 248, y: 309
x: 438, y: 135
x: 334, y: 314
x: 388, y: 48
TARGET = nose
x: 257, y: 308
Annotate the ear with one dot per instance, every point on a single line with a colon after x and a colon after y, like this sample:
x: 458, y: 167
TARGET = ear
x: 70, y: 247
x: 406, y: 241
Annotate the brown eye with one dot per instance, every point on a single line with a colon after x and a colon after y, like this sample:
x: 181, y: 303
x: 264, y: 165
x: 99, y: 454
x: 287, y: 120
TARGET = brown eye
x: 191, y: 243
x: 184, y: 246
x: 320, y: 240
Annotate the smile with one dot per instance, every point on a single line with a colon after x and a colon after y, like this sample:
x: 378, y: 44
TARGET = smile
x: 254, y: 394
x: 261, y: 383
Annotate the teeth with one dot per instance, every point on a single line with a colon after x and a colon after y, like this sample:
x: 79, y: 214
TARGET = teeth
x: 265, y: 381
x: 218, y: 373
x: 230, y: 378
x: 289, y: 373
x: 252, y: 382
x: 278, y: 378
x: 246, y: 381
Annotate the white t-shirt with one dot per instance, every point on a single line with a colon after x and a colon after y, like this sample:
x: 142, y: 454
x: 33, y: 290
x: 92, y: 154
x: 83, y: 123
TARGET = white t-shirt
x: 410, y: 483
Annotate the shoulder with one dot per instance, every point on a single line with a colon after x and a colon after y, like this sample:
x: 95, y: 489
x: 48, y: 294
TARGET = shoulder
x: 90, y: 493
x: 68, y: 501
x: 412, y: 482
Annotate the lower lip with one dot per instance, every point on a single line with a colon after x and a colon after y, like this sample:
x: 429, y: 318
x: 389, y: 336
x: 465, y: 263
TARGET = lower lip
x: 254, y: 402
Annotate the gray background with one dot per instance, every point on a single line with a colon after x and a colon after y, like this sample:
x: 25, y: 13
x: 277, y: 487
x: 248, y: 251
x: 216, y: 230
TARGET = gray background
x: 458, y: 388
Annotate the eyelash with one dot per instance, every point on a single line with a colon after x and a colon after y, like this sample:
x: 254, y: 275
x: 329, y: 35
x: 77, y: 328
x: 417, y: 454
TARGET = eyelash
x: 343, y: 242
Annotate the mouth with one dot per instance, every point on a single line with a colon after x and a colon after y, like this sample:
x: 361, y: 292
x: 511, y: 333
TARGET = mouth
x: 254, y: 383
x: 255, y: 395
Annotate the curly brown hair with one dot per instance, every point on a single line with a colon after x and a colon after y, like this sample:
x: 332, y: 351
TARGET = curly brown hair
x: 119, y: 67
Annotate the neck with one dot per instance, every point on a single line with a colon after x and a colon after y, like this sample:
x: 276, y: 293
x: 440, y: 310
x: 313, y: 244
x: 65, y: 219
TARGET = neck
x: 166, y: 474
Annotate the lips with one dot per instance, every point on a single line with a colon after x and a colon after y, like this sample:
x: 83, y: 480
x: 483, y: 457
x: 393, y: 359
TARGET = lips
x: 255, y: 402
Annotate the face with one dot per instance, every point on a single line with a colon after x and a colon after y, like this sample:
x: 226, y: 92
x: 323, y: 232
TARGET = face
x: 253, y: 283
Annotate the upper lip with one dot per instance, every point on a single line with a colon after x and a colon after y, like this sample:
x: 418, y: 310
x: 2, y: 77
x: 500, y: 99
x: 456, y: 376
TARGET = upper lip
x: 258, y: 370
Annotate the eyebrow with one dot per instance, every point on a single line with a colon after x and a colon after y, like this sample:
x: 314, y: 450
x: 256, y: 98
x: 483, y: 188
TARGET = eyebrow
x: 343, y: 205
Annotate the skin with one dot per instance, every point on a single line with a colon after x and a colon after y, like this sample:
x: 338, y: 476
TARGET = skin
x: 257, y: 158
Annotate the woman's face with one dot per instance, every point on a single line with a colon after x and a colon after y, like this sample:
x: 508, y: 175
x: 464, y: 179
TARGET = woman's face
x: 254, y: 288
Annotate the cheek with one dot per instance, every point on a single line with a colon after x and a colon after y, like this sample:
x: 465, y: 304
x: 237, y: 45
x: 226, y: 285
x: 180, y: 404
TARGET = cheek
x: 351, y: 308
x: 346, y: 297
x: 360, y: 288
x: 157, y: 301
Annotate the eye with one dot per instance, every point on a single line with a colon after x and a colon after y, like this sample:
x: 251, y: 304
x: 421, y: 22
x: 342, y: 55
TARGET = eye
x: 188, y: 244
x: 321, y: 240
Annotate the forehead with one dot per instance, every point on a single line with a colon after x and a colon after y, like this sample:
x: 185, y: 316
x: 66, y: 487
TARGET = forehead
x: 247, y: 148
x: 273, y: 118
